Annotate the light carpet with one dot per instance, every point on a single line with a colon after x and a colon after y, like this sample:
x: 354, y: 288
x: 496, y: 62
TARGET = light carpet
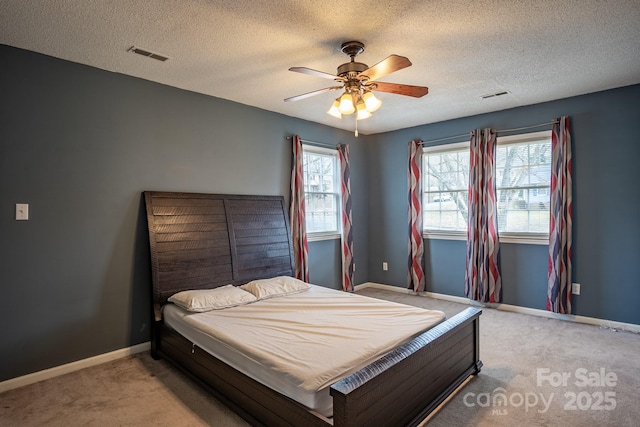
x: 537, y: 372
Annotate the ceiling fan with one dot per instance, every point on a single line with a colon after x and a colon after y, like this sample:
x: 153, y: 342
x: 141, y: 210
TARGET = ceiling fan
x: 359, y: 81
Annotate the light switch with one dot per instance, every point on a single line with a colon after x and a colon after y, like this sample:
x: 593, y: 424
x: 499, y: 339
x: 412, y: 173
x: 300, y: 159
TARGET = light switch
x: 22, y: 211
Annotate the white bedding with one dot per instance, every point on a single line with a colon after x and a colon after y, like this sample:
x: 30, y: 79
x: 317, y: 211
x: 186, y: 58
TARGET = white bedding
x: 300, y: 344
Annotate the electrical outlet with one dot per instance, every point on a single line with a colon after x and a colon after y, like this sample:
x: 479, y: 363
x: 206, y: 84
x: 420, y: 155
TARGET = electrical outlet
x: 575, y: 288
x: 385, y: 266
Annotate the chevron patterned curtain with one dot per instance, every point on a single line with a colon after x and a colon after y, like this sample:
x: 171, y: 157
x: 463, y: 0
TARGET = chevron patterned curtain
x: 415, y: 276
x: 482, y: 277
x: 347, y: 234
x: 560, y: 221
x: 296, y: 213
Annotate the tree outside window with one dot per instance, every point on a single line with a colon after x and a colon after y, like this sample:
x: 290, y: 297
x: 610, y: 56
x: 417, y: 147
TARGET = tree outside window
x: 523, y: 171
x: 322, y: 190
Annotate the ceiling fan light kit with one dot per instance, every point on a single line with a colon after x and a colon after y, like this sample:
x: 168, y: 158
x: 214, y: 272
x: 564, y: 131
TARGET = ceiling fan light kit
x: 358, y: 83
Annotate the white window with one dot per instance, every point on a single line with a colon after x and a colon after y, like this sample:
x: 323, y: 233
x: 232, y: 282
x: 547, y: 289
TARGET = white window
x: 445, y: 185
x: 523, y: 182
x: 523, y: 172
x: 321, y: 192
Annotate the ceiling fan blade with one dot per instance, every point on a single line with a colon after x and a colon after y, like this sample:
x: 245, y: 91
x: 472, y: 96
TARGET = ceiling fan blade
x: 386, y: 66
x: 310, y: 94
x: 305, y: 70
x: 400, y: 89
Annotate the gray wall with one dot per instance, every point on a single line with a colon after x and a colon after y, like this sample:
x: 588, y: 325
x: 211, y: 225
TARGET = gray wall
x: 80, y: 145
x: 606, y: 250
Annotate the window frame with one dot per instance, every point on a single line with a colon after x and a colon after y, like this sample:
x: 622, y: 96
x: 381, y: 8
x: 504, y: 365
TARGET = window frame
x: 526, y: 237
x: 442, y: 148
x: 326, y: 235
x: 504, y: 236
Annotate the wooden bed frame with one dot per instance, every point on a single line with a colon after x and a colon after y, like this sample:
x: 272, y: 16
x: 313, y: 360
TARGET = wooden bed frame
x: 203, y: 241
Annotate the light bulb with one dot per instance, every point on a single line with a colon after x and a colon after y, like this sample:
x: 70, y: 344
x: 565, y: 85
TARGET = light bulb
x: 346, y: 104
x: 334, y: 111
x: 362, y: 111
x: 371, y: 101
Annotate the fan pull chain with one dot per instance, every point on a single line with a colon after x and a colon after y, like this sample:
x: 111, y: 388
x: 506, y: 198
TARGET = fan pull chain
x: 356, y: 132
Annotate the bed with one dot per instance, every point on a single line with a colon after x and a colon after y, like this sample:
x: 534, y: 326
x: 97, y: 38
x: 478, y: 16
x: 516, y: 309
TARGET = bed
x: 208, y: 241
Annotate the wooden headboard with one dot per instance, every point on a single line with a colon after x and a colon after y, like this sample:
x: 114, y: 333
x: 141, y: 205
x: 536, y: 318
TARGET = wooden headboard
x: 202, y: 241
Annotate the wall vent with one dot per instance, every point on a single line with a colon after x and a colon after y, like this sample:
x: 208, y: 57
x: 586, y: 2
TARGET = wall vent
x: 493, y: 95
x: 148, y: 53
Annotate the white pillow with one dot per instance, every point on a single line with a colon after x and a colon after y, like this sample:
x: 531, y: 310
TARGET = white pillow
x: 211, y: 299
x: 275, y: 287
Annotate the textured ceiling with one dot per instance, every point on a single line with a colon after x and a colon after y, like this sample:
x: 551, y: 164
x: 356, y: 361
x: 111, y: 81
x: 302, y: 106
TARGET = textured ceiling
x: 241, y: 49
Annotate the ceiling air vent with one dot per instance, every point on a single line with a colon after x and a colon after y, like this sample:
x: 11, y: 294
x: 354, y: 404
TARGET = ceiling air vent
x: 148, y: 53
x: 493, y: 95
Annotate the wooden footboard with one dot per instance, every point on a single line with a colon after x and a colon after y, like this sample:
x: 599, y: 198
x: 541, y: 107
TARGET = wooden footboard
x: 406, y: 385
x: 399, y: 389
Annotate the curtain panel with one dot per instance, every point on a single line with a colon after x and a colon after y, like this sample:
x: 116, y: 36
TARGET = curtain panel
x: 296, y: 213
x: 348, y: 269
x: 483, y: 280
x: 560, y: 221
x: 415, y: 276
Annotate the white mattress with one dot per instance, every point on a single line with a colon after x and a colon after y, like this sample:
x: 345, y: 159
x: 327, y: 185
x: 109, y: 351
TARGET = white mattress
x: 300, y: 344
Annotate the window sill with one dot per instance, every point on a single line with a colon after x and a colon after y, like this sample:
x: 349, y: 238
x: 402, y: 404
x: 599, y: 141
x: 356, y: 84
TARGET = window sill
x: 443, y: 235
x: 316, y: 237
x: 519, y: 238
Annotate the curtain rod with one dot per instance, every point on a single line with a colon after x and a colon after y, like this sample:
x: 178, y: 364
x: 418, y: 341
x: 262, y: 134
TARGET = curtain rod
x: 552, y: 122
x: 320, y: 144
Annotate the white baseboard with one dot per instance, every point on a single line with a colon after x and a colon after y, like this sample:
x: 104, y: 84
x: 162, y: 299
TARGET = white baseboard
x: 72, y: 367
x: 603, y: 323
